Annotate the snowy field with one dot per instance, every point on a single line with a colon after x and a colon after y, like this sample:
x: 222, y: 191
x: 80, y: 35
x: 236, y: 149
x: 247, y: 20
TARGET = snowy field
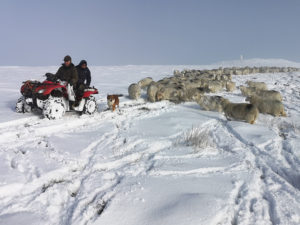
x: 150, y: 163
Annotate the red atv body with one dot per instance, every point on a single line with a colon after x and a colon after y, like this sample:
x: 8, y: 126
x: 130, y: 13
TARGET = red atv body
x: 54, y: 98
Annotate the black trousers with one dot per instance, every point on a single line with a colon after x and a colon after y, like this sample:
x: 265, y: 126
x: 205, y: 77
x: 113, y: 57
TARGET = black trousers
x: 79, y: 91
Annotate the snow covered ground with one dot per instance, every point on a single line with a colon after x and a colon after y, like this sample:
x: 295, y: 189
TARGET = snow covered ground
x: 150, y: 163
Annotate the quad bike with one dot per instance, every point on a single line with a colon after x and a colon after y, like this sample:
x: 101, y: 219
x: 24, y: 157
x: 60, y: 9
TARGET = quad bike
x: 53, y: 97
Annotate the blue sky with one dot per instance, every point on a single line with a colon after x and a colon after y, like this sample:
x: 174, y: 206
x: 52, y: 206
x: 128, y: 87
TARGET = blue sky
x: 121, y: 32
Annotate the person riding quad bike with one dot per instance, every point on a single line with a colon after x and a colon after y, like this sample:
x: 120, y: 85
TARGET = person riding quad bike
x: 67, y: 72
x: 84, y: 79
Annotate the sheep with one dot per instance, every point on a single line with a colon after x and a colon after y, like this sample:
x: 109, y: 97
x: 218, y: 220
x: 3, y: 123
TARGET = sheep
x: 144, y: 83
x: 196, y: 73
x: 216, y: 71
x: 257, y: 85
x: 265, y: 94
x: 175, y: 79
x: 192, y: 94
x: 217, y: 77
x: 193, y: 84
x: 228, y: 71
x: 134, y: 91
x: 264, y: 69
x: 241, y: 111
x: 164, y: 81
x: 230, y: 86
x: 254, y: 70
x: 275, y: 69
x: 247, y: 91
x: 237, y: 71
x: 291, y: 69
x: 219, y: 71
x: 205, y: 75
x: 272, y: 107
x: 284, y: 70
x: 211, y: 103
x: 177, y: 73
x: 245, y: 70
x: 215, y: 86
x: 168, y: 93
x: 269, y: 95
x: 151, y: 92
x: 226, y: 77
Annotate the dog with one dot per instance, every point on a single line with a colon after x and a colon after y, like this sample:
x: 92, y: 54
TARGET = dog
x: 113, y: 101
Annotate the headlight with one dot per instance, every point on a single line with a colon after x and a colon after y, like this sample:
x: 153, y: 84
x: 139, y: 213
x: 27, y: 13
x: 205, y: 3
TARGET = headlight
x: 41, y: 91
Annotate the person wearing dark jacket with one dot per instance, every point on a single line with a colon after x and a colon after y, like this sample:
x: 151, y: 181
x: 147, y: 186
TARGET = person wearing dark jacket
x: 84, y: 78
x: 67, y: 72
x: 84, y: 74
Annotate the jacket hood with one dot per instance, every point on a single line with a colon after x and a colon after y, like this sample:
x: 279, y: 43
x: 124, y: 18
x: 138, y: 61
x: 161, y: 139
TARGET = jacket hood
x: 82, y: 62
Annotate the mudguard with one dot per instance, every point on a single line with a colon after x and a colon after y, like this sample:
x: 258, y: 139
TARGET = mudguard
x: 88, y: 92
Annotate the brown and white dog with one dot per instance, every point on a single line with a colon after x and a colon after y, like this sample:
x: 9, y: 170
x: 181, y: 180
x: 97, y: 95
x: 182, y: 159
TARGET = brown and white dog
x: 113, y: 101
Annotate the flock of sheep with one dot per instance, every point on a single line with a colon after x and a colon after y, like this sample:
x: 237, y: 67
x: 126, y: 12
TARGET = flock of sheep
x: 191, y: 85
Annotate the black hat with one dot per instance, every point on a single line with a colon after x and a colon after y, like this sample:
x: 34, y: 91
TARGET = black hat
x: 67, y: 58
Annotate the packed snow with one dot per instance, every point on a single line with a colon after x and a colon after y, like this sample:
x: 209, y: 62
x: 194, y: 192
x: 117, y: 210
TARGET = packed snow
x: 150, y: 163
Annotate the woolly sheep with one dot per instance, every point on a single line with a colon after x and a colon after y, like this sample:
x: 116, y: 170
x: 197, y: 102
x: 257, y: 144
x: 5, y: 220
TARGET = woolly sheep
x: 247, y: 91
x: 241, y: 111
x: 265, y: 94
x: 230, y: 86
x: 215, y: 86
x: 211, y: 103
x: 269, y: 95
x: 151, y: 92
x: 144, y: 83
x: 272, y: 107
x: 257, y: 85
x: 168, y: 93
x: 134, y: 91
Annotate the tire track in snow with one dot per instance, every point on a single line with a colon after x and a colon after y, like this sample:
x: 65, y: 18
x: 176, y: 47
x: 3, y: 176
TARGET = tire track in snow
x: 264, y: 171
x: 22, y: 201
x: 30, y: 128
x: 101, y: 169
x: 242, y: 207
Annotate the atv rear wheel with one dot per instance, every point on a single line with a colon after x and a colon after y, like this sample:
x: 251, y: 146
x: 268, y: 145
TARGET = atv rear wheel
x: 90, y: 106
x: 22, y: 106
x: 54, y: 108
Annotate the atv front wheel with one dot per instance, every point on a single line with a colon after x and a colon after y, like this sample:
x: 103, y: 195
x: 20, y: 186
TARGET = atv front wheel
x: 54, y: 108
x: 90, y: 106
x: 22, y: 106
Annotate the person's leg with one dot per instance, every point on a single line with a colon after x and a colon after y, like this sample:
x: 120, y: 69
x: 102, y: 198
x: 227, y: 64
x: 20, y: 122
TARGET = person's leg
x: 79, y: 93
